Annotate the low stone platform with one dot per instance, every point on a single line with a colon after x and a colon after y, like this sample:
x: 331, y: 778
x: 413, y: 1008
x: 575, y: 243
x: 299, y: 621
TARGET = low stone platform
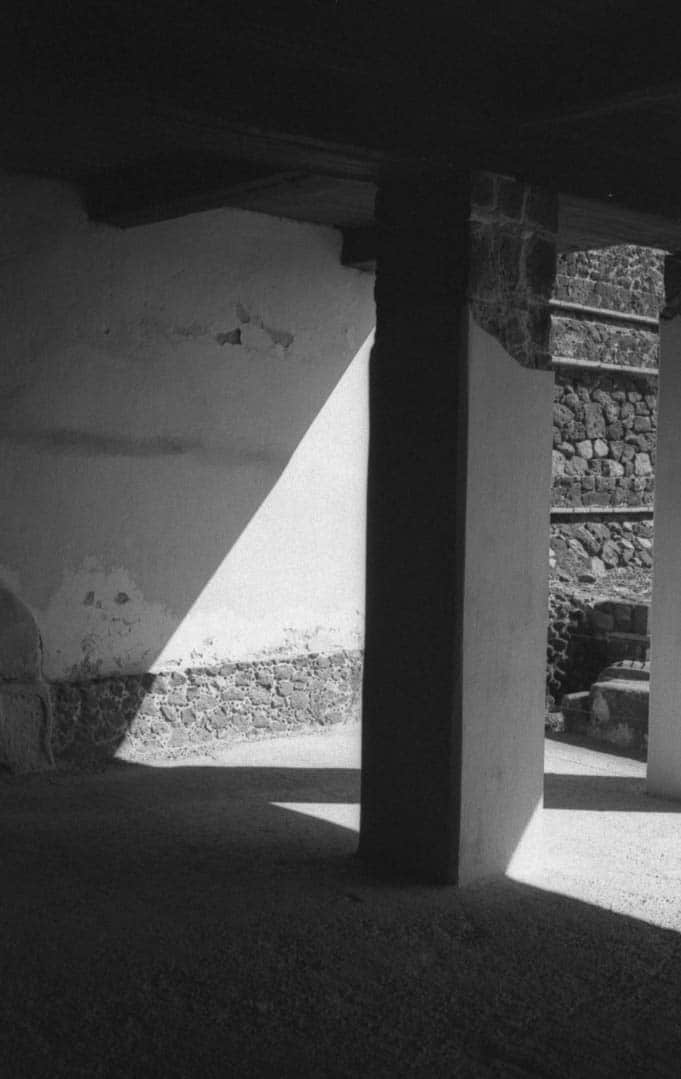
x: 615, y: 709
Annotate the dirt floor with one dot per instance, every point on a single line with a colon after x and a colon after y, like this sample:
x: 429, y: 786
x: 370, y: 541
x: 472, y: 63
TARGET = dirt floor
x: 209, y: 919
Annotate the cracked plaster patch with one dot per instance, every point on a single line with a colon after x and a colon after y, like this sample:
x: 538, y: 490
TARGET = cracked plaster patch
x: 98, y: 622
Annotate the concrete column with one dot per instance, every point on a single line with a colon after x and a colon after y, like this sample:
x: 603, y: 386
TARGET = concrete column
x: 458, y: 518
x: 664, y: 724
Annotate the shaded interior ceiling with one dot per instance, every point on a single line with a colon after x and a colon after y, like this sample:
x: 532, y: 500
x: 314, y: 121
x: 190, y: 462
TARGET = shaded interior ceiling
x: 295, y: 107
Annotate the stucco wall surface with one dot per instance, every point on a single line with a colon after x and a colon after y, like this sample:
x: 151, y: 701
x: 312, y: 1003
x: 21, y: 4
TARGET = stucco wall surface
x: 664, y: 737
x: 504, y: 633
x: 183, y: 435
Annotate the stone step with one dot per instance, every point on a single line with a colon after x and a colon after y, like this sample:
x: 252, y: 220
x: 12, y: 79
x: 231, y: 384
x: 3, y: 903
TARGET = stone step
x: 614, y: 710
x: 628, y: 670
x: 619, y: 712
x: 576, y: 709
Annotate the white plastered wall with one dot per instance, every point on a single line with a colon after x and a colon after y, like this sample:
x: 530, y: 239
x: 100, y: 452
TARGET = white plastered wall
x: 664, y: 725
x: 184, y: 427
x: 505, y: 603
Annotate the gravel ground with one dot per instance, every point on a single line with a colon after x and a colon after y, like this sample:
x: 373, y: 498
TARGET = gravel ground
x: 209, y: 918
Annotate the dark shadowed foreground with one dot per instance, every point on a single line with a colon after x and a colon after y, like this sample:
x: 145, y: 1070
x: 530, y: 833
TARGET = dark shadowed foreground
x: 211, y: 920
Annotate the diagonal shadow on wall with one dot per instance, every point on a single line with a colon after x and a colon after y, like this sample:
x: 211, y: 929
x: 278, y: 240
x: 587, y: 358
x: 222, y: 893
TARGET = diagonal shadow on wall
x: 183, y: 422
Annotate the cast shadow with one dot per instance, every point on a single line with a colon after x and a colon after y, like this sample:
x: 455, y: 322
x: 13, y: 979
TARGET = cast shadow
x: 603, y: 794
x: 176, y: 921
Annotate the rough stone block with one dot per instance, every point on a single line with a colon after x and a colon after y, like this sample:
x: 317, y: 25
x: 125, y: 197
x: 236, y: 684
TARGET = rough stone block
x: 575, y: 709
x: 594, y: 420
x: 284, y: 670
x: 610, y: 554
x: 25, y: 728
x: 614, y: 469
x: 602, y: 621
x: 576, y: 466
x: 299, y: 699
x: 260, y: 695
x: 642, y: 465
x: 639, y: 620
x: 619, y: 711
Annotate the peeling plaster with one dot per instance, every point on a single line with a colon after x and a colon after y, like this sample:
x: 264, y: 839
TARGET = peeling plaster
x: 283, y: 338
x: 130, y: 434
x: 85, y: 633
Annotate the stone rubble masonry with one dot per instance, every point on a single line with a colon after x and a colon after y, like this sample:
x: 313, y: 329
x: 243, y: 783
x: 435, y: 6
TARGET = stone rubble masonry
x: 617, y: 544
x: 604, y: 439
x: 625, y: 278
x: 585, y: 338
x: 180, y: 710
x: 512, y: 264
x: 604, y: 454
x: 586, y: 636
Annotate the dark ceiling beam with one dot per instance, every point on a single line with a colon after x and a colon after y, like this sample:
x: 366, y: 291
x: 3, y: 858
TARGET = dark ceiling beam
x: 583, y: 225
x: 166, y: 188
x: 639, y: 101
x: 586, y: 224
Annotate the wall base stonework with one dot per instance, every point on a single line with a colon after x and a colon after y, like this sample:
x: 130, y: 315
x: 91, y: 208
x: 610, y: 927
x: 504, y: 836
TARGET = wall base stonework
x: 181, y: 710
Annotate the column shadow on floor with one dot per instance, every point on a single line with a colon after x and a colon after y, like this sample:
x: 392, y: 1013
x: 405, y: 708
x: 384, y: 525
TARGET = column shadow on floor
x: 175, y: 922
x: 603, y: 794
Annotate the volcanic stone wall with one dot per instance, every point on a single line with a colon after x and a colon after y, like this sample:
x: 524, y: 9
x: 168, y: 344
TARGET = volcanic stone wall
x: 588, y: 549
x: 585, y: 636
x: 604, y: 454
x: 603, y: 439
x: 604, y: 423
x: 195, y: 708
x: 623, y: 278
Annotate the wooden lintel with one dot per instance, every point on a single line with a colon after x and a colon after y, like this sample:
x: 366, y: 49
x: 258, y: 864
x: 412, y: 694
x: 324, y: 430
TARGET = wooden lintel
x: 647, y: 98
x: 585, y: 224
x: 159, y: 190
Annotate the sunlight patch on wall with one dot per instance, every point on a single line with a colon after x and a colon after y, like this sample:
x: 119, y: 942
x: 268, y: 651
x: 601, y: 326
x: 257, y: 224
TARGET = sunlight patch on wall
x: 294, y: 580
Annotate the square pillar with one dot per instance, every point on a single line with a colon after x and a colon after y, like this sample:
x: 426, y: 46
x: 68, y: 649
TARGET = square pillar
x: 458, y: 521
x: 664, y: 723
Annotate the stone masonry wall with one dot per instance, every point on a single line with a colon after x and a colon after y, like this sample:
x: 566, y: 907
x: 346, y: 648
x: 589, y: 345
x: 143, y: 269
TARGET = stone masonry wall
x: 587, y: 635
x: 604, y: 454
x: 587, y: 550
x: 513, y: 264
x: 178, y: 711
x: 588, y: 338
x: 603, y: 439
x: 623, y: 278
x: 605, y: 422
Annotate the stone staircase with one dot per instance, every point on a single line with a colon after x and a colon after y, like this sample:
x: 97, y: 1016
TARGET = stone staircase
x: 615, y: 709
